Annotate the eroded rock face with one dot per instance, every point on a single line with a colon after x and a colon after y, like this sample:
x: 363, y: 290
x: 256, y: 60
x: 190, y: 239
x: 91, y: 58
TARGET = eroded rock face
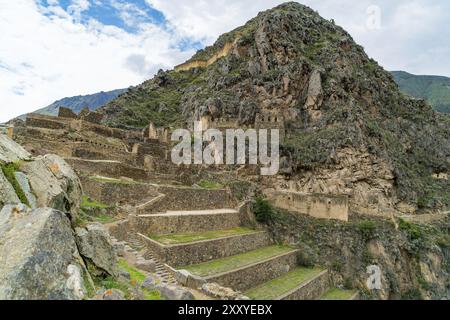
x: 11, y: 151
x: 39, y: 259
x: 367, y: 179
x: 54, y: 184
x: 96, y: 247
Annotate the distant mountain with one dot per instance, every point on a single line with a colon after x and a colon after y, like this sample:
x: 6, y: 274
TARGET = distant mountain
x: 434, y: 89
x: 76, y: 104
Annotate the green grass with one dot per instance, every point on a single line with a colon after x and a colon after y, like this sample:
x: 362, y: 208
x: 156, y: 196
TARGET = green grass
x: 206, y: 184
x: 137, y: 277
x: 237, y: 261
x: 337, y: 294
x: 152, y: 295
x: 9, y: 170
x: 84, y: 217
x: 113, y: 283
x: 277, y: 287
x: 135, y: 274
x: 191, y: 237
x: 414, y: 231
x: 87, y: 202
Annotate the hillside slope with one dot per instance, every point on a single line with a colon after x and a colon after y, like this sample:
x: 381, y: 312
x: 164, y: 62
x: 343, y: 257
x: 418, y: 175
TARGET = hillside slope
x: 434, y: 89
x: 77, y: 103
x: 349, y: 128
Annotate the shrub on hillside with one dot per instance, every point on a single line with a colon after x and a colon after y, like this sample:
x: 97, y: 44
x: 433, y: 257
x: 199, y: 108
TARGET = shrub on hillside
x: 264, y: 212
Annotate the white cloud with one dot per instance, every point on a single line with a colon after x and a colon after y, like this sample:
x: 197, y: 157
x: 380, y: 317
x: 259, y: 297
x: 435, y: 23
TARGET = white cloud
x: 77, y: 7
x: 413, y: 34
x: 205, y: 20
x: 46, y: 57
x: 47, y: 54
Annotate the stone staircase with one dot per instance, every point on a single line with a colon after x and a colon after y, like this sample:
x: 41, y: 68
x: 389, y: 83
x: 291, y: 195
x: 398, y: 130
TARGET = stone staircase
x: 143, y: 259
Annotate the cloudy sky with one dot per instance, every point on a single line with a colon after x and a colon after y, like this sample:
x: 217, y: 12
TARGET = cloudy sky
x: 50, y: 49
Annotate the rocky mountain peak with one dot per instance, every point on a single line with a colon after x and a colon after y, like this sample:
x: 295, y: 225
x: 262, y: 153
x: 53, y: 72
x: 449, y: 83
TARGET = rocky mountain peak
x: 343, y: 112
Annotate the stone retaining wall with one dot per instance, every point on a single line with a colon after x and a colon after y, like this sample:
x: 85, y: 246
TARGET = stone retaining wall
x: 112, y: 193
x: 254, y: 275
x: 120, y: 230
x: 180, y: 198
x: 321, y: 206
x: 201, y: 251
x: 40, y: 121
x: 111, y: 169
x: 98, y: 151
x: 310, y: 290
x: 167, y: 224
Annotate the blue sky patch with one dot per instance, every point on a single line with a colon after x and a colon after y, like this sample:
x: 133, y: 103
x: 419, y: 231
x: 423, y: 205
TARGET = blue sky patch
x: 126, y: 15
x: 109, y: 12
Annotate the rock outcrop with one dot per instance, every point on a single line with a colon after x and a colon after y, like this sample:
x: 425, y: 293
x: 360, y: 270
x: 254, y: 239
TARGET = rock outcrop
x: 94, y: 244
x: 11, y: 151
x: 41, y: 255
x: 46, y: 181
x: 38, y: 255
x: 54, y: 184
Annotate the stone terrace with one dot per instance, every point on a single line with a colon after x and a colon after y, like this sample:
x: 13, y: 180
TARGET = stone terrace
x: 192, y: 234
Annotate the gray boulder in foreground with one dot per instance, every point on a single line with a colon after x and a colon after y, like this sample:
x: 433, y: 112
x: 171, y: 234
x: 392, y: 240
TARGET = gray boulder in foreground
x: 54, y: 183
x: 11, y: 151
x: 171, y: 292
x: 39, y: 258
x: 95, y: 245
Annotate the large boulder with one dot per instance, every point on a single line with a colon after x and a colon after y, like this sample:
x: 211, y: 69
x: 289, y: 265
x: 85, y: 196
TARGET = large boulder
x: 54, y: 183
x: 171, y: 292
x: 96, y: 247
x: 39, y: 258
x: 10, y: 151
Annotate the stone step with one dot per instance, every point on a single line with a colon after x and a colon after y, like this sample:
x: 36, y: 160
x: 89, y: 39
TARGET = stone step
x: 298, y: 284
x: 186, y: 221
x: 246, y: 270
x: 216, y: 245
x: 145, y: 260
x: 340, y: 294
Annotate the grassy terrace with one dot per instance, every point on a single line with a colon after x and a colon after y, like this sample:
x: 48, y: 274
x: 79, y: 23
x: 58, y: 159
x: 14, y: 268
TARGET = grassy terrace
x: 277, y: 287
x: 87, y: 202
x: 237, y: 261
x: 337, y: 294
x: 208, y: 235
